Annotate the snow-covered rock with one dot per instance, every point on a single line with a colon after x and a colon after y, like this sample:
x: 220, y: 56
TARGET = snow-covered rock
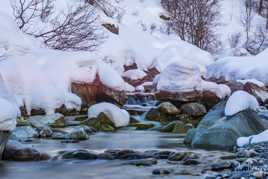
x: 262, y: 137
x: 134, y: 74
x: 119, y: 117
x: 239, y: 101
x: 186, y: 77
x: 8, y: 115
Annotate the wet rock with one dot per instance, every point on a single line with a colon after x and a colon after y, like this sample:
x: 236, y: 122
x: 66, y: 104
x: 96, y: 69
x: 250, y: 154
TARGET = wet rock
x: 221, y: 166
x: 260, y: 92
x: 54, y: 120
x: 142, y: 126
x: 191, y: 162
x: 17, y: 152
x: 24, y: 133
x: 162, y: 154
x: 182, y: 156
x: 102, y: 123
x: 162, y: 171
x: 216, y: 131
x: 176, y: 127
x: 79, y: 155
x: 143, y: 162
x: 74, y: 133
x: 168, y: 108
x: 46, y: 132
x: 194, y: 109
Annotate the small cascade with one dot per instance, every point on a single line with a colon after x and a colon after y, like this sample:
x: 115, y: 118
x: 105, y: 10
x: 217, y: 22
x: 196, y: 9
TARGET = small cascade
x: 4, y: 135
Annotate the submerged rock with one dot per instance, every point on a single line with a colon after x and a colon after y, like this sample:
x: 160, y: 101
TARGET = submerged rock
x: 216, y: 131
x: 74, y: 133
x: 176, y: 127
x: 79, y: 154
x: 194, y: 109
x: 17, y: 152
x: 24, y: 133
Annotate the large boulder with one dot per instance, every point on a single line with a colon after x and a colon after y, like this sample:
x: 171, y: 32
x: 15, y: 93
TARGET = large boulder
x: 92, y: 93
x: 194, y: 109
x: 216, y: 131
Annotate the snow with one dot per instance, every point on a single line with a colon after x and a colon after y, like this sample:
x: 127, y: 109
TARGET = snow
x: 239, y: 101
x: 254, y: 81
x: 262, y: 137
x: 8, y: 115
x: 119, y: 117
x: 178, y: 77
x: 241, y: 68
x: 135, y: 74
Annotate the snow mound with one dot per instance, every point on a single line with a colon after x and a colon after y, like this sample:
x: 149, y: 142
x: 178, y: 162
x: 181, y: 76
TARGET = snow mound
x: 119, y: 117
x: 262, y: 137
x: 134, y: 74
x: 239, y: 101
x: 183, y: 77
x: 241, y: 68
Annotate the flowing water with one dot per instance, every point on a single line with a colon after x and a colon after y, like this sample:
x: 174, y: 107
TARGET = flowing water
x: 98, y: 169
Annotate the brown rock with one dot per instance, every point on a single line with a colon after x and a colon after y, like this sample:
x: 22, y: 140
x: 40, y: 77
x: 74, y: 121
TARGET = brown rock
x: 95, y: 92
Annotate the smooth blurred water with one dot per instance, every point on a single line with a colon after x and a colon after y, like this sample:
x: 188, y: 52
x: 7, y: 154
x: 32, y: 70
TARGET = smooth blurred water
x: 99, y: 169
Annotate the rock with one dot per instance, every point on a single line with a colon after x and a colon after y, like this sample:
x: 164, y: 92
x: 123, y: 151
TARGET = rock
x: 191, y: 162
x: 260, y: 92
x: 102, y: 123
x: 74, y: 133
x: 217, y: 131
x: 24, y: 133
x: 46, y: 132
x: 112, y: 28
x: 17, y: 152
x: 92, y: 93
x: 80, y: 155
x: 143, y: 162
x: 194, y: 109
x: 176, y: 127
x: 164, y: 113
x: 40, y: 122
x: 179, y: 156
x: 208, y: 98
x: 221, y: 166
x: 259, y: 174
x: 142, y: 126
x: 168, y: 108
x: 162, y: 171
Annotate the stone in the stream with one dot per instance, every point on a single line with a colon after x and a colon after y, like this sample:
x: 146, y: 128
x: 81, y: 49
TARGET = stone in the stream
x: 168, y: 108
x: 74, y: 133
x: 45, y: 132
x: 79, y: 155
x: 194, y: 109
x: 179, y: 156
x: 24, y: 133
x: 216, y: 131
x: 54, y: 120
x: 176, y: 127
x: 143, y: 162
x: 162, y: 171
x: 219, y: 166
x: 17, y: 152
x: 142, y: 126
x: 102, y: 123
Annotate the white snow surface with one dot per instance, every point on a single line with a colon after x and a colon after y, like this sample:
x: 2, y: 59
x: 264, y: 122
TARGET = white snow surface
x: 241, y: 68
x: 262, y: 137
x: 183, y: 77
x: 239, y: 101
x: 135, y: 74
x: 119, y: 117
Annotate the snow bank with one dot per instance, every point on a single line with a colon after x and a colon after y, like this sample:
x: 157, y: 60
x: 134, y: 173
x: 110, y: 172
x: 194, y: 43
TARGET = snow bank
x: 241, y: 68
x: 239, y: 101
x: 183, y: 77
x: 119, y: 117
x: 262, y: 137
x: 134, y: 74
